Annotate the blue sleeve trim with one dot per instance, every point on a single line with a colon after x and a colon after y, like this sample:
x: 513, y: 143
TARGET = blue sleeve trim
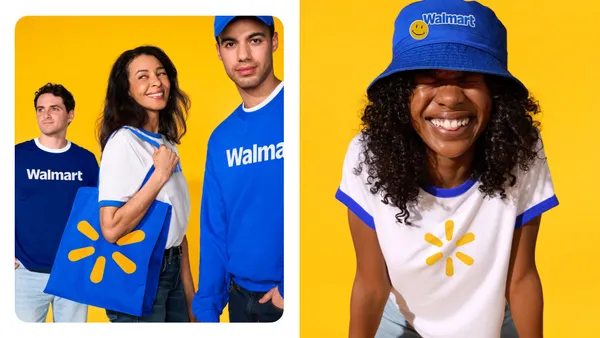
x: 355, y: 208
x: 535, y: 211
x: 109, y: 203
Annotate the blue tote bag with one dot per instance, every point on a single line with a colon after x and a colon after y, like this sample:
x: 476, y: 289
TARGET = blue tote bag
x: 122, y: 276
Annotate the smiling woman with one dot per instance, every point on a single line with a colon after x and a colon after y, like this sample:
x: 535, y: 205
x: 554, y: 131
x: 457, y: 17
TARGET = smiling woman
x: 149, y: 83
x: 143, y: 120
x: 143, y: 81
x: 465, y: 102
x: 448, y: 145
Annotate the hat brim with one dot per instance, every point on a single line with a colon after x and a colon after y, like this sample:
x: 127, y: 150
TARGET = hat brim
x: 447, y: 56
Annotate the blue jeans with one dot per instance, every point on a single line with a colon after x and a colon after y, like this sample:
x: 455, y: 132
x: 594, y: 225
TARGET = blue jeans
x: 170, y: 304
x: 244, y: 306
x: 394, y: 325
x: 31, y: 303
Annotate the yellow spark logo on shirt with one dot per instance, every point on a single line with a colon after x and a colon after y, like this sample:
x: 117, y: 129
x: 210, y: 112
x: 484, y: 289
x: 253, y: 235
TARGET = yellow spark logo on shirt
x: 467, y: 238
x: 122, y: 261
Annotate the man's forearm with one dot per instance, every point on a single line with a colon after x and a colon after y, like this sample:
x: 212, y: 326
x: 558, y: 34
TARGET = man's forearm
x: 526, y: 301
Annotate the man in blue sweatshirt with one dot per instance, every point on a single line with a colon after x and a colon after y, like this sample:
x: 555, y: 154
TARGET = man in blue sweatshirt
x: 48, y: 172
x: 241, y: 218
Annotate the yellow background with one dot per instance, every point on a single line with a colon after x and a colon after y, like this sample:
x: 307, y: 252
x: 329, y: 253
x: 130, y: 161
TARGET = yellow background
x: 344, y: 46
x: 78, y: 52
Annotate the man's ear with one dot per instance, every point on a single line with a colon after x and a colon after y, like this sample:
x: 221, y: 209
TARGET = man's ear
x: 71, y: 116
x: 217, y: 45
x: 275, y: 41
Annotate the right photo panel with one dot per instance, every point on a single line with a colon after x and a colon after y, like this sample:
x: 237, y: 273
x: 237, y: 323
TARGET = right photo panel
x: 446, y: 160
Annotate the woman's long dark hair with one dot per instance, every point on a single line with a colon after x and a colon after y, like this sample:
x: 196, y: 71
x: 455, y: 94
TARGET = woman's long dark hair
x: 395, y: 156
x: 120, y: 109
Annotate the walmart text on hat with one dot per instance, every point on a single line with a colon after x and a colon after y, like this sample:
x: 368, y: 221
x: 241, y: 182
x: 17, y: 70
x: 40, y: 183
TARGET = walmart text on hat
x: 449, y: 19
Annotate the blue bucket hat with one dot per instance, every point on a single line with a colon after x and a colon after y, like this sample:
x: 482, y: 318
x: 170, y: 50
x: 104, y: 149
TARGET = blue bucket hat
x: 450, y: 35
x: 222, y: 21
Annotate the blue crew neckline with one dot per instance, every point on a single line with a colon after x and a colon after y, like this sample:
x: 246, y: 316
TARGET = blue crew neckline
x: 449, y: 192
x: 151, y: 134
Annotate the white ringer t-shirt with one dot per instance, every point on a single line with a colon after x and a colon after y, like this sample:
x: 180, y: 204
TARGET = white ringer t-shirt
x: 125, y: 162
x: 450, y: 267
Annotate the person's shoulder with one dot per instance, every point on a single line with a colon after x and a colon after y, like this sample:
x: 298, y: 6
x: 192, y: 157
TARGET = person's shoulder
x: 355, y: 153
x: 76, y: 147
x: 122, y: 144
x: 82, y: 152
x: 226, y: 128
x: 356, y: 144
x: 29, y: 144
x: 125, y: 133
x: 536, y: 162
x: 26, y: 150
x: 122, y: 137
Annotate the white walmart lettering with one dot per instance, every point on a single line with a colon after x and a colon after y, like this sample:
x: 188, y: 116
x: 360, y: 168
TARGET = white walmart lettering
x: 243, y: 156
x: 49, y: 175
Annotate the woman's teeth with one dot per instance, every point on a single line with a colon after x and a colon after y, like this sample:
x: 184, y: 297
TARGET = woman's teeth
x: 450, y: 124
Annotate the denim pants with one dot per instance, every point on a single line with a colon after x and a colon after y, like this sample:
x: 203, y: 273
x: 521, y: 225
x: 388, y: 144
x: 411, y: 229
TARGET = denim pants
x: 170, y: 304
x: 244, y: 306
x: 394, y: 325
x: 31, y: 303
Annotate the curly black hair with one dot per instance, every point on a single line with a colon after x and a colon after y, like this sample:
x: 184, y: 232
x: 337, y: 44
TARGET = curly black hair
x: 395, y: 156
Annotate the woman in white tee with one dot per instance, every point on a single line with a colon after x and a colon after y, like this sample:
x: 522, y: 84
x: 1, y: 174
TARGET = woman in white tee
x: 143, y: 120
x: 446, y: 183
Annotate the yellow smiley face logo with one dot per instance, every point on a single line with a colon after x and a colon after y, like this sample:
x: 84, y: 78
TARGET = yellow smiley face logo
x: 419, y: 29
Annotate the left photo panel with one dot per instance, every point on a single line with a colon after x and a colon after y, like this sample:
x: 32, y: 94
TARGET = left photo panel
x: 149, y: 169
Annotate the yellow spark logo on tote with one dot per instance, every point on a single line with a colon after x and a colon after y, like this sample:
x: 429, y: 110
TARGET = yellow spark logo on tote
x: 122, y: 261
x: 467, y: 238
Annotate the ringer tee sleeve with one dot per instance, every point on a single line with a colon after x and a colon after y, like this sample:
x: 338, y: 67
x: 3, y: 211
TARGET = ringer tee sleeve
x: 353, y: 191
x: 536, y: 190
x: 122, y: 170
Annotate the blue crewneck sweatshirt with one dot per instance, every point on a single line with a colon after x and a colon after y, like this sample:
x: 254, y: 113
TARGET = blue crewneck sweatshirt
x: 241, y: 218
x: 46, y: 182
